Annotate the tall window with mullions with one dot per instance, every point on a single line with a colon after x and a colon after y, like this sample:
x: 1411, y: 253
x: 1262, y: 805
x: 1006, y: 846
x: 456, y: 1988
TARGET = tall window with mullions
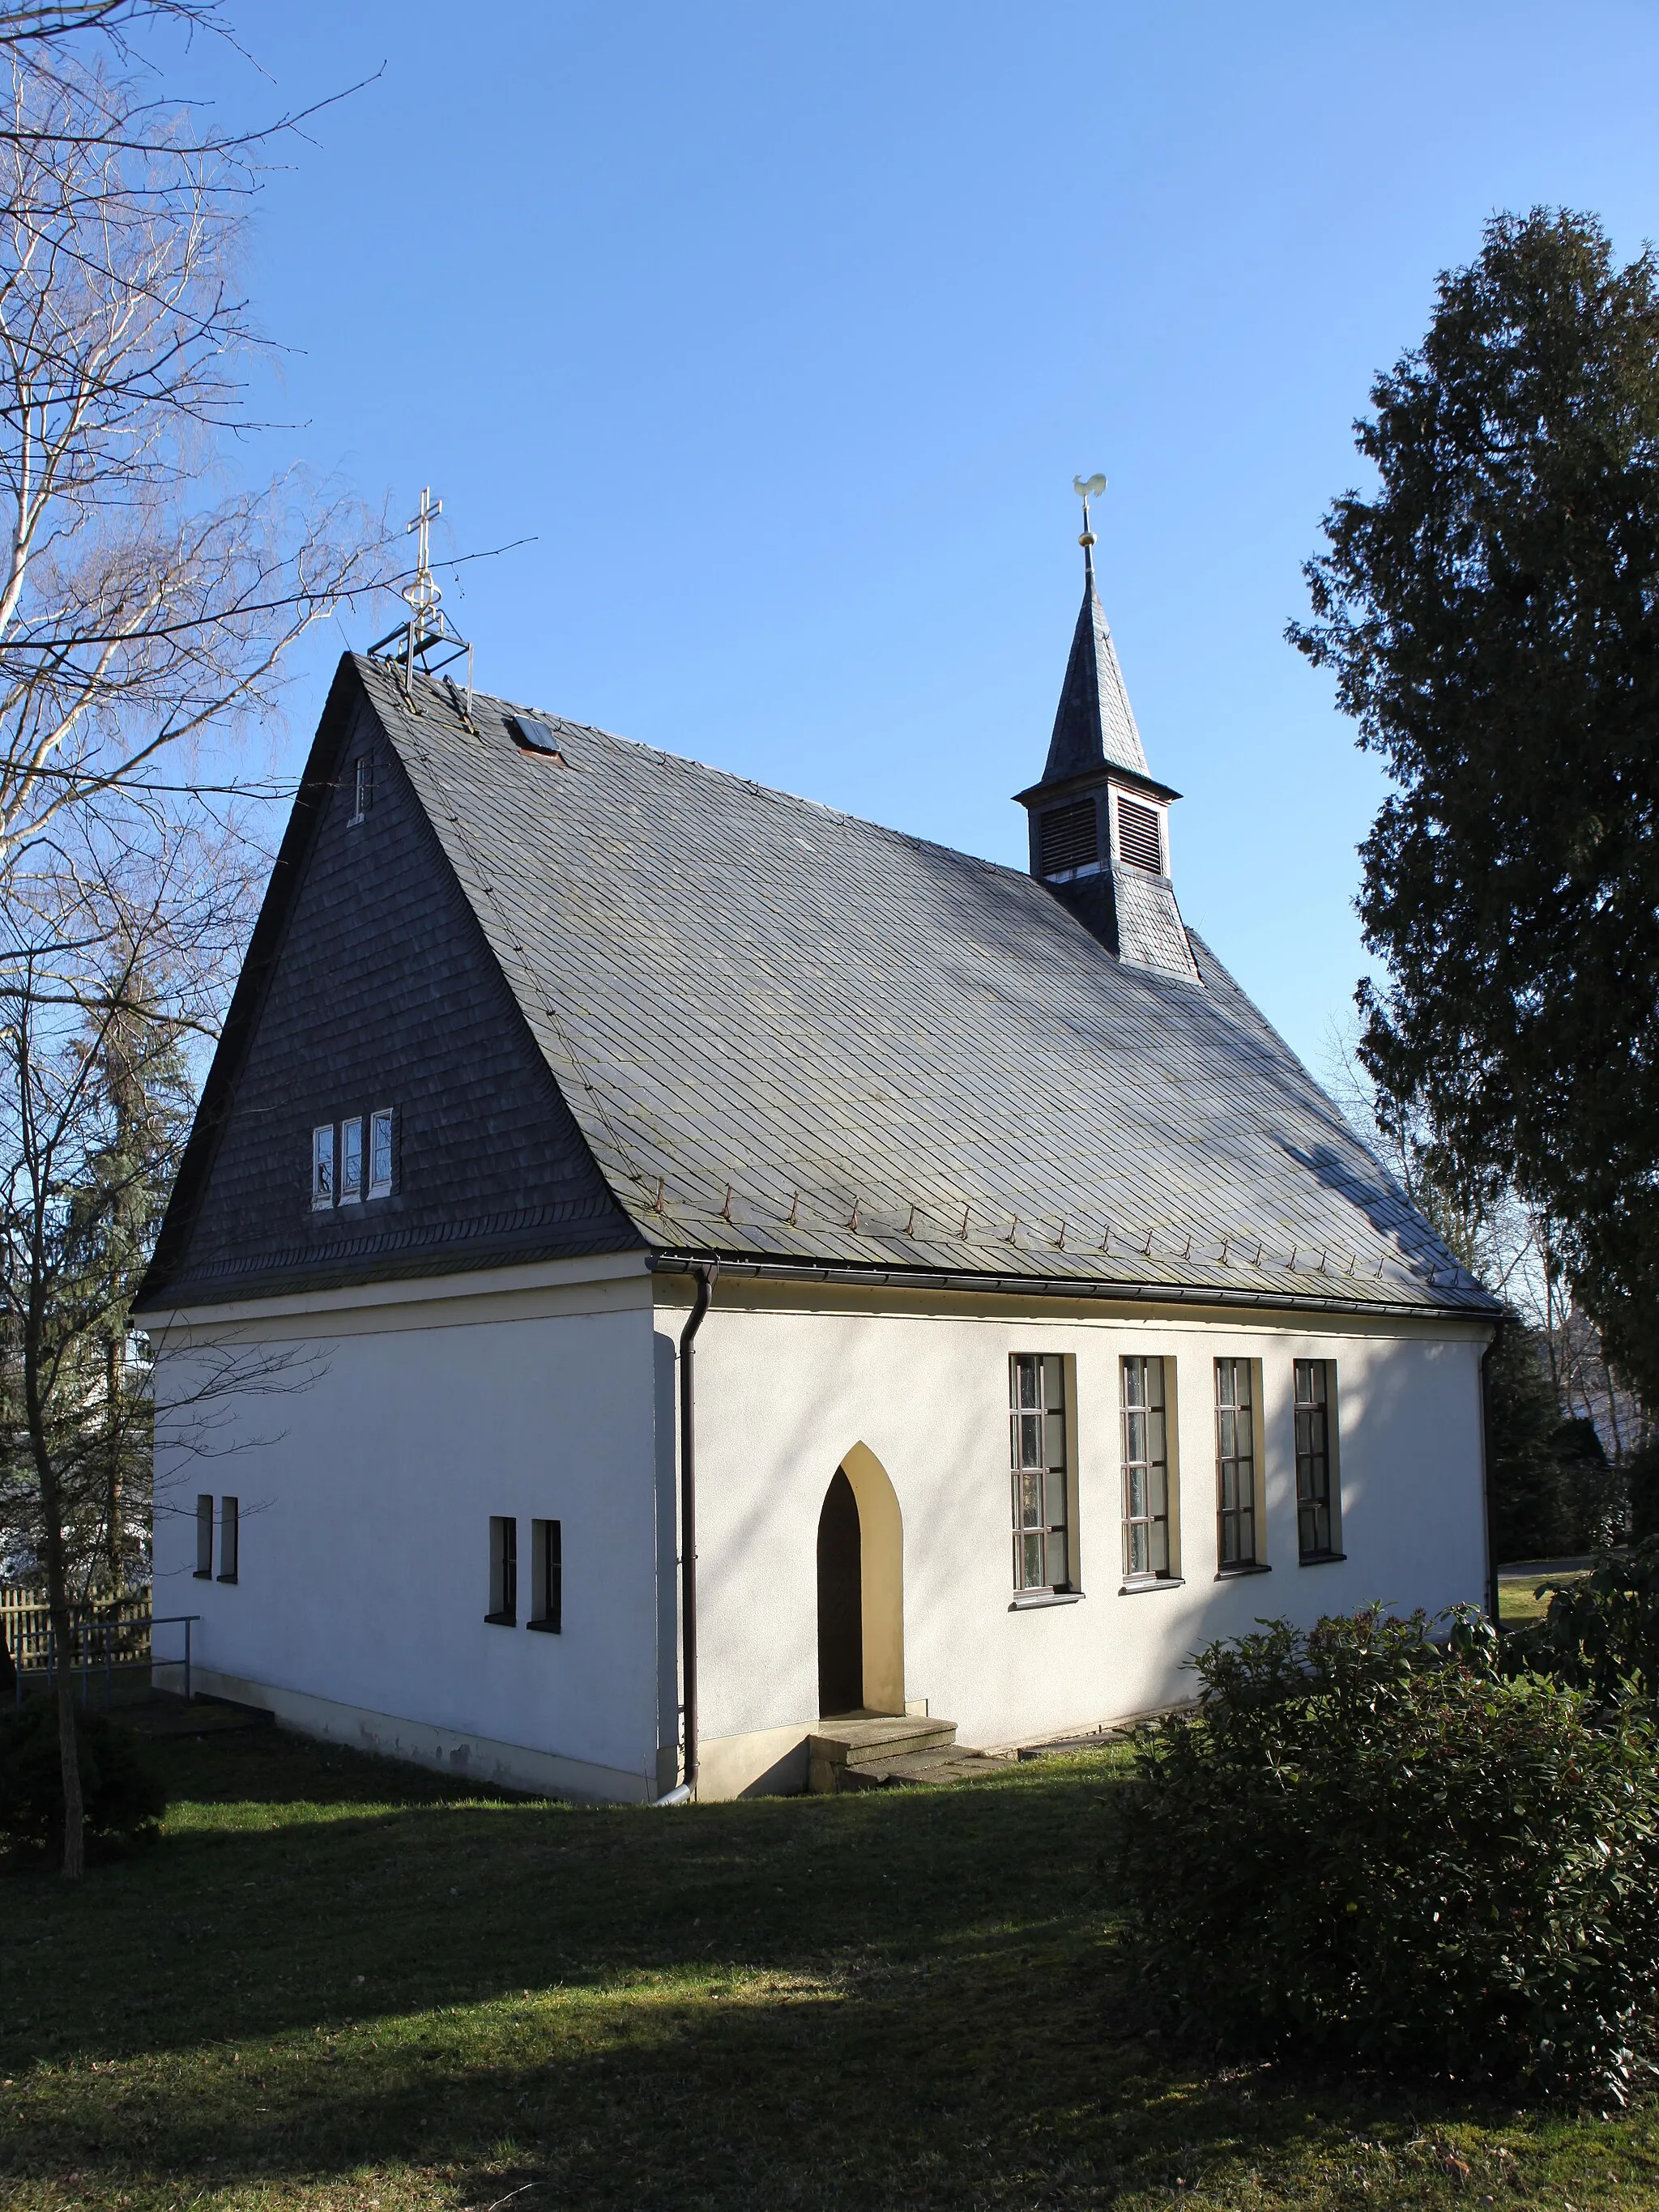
x: 1317, y: 1532
x: 1039, y: 1453
x: 1146, y: 1470
x: 1235, y: 1463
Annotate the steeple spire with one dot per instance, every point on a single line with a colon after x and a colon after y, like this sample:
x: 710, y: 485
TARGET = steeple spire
x: 1094, y: 725
x: 1099, y: 820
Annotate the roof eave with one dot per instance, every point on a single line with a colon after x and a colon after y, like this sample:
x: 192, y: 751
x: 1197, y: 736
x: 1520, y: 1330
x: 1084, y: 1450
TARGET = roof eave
x: 1086, y: 779
x: 1125, y: 1291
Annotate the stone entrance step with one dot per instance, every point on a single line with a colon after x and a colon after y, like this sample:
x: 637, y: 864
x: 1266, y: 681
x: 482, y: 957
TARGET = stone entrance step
x: 872, y: 1751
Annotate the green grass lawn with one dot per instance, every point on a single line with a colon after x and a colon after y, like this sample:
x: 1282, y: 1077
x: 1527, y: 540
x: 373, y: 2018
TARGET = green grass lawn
x: 1517, y: 1594
x: 342, y: 1983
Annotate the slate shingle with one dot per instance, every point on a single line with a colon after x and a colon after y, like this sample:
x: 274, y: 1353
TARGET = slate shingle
x: 817, y: 1039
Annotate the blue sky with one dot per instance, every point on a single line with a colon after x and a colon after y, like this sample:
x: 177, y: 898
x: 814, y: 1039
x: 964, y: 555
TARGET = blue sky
x: 782, y: 332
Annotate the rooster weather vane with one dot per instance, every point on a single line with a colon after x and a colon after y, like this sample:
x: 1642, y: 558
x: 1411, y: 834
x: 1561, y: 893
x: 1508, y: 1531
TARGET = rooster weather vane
x: 1088, y: 488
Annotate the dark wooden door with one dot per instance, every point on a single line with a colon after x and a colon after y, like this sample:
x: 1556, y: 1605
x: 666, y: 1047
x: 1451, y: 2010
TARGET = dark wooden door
x: 840, y: 1601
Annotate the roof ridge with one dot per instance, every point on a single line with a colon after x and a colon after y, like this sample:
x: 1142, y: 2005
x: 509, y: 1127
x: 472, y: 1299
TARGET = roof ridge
x: 728, y: 775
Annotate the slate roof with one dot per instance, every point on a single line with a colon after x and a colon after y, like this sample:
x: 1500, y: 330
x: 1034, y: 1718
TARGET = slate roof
x: 788, y: 1035
x: 1094, y: 720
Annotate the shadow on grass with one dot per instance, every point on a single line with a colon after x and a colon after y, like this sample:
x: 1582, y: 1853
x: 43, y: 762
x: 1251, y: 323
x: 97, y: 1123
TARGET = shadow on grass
x: 338, y: 1967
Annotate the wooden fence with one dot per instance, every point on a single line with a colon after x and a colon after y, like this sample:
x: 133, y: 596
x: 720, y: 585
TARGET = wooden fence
x: 120, y: 1627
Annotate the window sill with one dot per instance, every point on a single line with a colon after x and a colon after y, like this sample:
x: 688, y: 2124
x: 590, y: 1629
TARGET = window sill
x: 501, y: 1620
x: 202, y: 1574
x: 227, y: 1578
x: 1247, y: 1567
x: 1032, y: 1601
x: 1140, y: 1583
x: 1320, y: 1558
x: 547, y: 1627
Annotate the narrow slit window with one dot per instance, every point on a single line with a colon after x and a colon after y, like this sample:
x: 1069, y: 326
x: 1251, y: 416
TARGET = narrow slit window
x: 322, y: 1166
x: 546, y: 1576
x: 1316, y: 1490
x: 363, y: 793
x: 381, y: 1159
x: 351, y: 1161
x: 203, y: 1538
x: 503, y: 1571
x: 1145, y: 1471
x: 229, y: 1538
x: 1038, y: 1452
x: 1235, y: 1463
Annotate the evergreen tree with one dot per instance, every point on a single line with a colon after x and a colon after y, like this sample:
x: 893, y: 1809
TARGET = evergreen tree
x: 1490, y: 612
x: 1528, y: 1505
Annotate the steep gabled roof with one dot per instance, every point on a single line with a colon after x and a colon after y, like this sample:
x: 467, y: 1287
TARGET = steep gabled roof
x: 786, y: 1034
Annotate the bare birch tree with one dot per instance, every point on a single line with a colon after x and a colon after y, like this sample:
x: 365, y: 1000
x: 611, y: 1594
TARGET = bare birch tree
x: 146, y: 603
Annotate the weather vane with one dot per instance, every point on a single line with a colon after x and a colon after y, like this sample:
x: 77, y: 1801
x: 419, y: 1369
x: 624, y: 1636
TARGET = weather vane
x: 1088, y: 488
x: 425, y: 633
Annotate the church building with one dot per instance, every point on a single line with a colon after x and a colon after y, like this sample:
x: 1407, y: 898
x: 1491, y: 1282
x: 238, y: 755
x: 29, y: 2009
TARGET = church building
x: 671, y: 1287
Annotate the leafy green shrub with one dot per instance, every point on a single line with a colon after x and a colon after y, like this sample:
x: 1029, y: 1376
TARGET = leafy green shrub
x: 1601, y: 1633
x: 1362, y: 1847
x: 123, y: 1800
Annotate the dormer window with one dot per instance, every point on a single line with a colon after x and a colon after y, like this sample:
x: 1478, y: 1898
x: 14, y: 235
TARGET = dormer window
x: 1069, y: 841
x: 354, y: 1160
x: 351, y: 1160
x: 322, y: 1166
x: 1139, y: 836
x: 381, y: 1161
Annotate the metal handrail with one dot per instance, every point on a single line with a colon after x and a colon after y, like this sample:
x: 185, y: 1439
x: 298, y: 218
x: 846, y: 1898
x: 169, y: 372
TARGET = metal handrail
x: 110, y: 1628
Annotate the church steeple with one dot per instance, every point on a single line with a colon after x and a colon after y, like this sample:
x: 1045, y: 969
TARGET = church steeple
x: 1099, y: 821
x: 1094, y: 722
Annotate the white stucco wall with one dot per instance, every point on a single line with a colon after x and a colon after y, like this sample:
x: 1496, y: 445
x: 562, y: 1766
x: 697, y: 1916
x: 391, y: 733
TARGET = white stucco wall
x: 786, y: 1384
x: 365, y: 1499
x: 426, y: 1407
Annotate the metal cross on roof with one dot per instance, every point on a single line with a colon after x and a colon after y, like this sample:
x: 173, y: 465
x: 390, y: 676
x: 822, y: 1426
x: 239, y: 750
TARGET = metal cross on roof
x: 426, y: 633
x: 424, y: 594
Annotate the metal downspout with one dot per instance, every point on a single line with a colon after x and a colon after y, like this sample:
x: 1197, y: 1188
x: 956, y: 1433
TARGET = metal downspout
x: 1486, y: 1485
x: 705, y: 1271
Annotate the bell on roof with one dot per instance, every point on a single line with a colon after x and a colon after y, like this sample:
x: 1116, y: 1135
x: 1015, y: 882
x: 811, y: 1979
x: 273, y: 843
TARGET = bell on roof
x: 1099, y: 821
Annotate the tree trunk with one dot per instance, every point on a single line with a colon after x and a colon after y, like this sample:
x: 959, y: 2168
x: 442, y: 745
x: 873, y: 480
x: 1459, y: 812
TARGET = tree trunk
x: 114, y: 1440
x: 56, y: 1561
x: 75, y: 1841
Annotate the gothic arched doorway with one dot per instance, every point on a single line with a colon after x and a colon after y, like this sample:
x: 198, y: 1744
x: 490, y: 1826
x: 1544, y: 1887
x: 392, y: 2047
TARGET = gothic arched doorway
x: 860, y: 1590
x: 840, y: 1600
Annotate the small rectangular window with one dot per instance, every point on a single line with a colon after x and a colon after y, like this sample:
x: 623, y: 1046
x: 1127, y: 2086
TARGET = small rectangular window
x: 1235, y: 1463
x: 203, y: 1538
x: 1146, y: 1549
x: 230, y: 1533
x: 1039, y: 1470
x: 351, y: 1160
x: 1317, y: 1507
x: 322, y: 1166
x: 546, y: 1576
x: 503, y: 1571
x: 362, y: 796
x: 381, y: 1162
x: 1139, y: 836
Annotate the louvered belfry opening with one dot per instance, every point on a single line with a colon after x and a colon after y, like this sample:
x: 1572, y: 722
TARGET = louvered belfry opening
x: 1069, y: 839
x: 1138, y: 841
